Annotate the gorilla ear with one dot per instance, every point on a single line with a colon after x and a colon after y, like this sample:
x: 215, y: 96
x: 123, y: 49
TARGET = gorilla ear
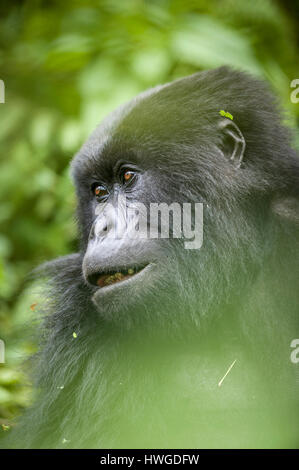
x: 286, y: 208
x: 233, y: 143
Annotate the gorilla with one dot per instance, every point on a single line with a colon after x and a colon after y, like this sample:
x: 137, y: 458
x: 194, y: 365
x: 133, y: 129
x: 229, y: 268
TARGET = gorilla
x: 147, y: 344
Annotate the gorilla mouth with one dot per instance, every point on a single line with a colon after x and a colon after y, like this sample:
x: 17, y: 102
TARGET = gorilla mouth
x: 112, y: 277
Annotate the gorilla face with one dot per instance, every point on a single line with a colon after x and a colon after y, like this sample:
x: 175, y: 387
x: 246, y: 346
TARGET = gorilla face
x: 172, y: 145
x: 125, y: 268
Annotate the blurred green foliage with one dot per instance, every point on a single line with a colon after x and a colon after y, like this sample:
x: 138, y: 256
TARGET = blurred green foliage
x: 65, y: 66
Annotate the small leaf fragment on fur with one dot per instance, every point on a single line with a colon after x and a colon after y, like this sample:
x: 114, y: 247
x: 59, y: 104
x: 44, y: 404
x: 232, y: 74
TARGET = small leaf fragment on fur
x: 5, y: 427
x: 227, y: 372
x: 32, y: 306
x: 75, y: 335
x: 226, y: 114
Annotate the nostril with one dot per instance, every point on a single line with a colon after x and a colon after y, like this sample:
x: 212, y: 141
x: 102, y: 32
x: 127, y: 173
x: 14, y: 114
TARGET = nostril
x: 101, y: 228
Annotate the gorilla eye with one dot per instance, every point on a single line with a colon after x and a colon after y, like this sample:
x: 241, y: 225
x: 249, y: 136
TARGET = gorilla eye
x: 101, y: 192
x: 128, y: 175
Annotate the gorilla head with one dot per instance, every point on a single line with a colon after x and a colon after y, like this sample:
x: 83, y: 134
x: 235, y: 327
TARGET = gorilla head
x: 158, y: 321
x: 172, y: 144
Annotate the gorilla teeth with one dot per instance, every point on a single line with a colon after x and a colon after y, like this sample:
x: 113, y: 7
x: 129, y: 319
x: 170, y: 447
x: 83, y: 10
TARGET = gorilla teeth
x: 108, y: 279
x: 118, y: 276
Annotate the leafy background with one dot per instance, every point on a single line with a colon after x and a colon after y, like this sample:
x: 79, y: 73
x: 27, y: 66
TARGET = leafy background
x: 65, y: 66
